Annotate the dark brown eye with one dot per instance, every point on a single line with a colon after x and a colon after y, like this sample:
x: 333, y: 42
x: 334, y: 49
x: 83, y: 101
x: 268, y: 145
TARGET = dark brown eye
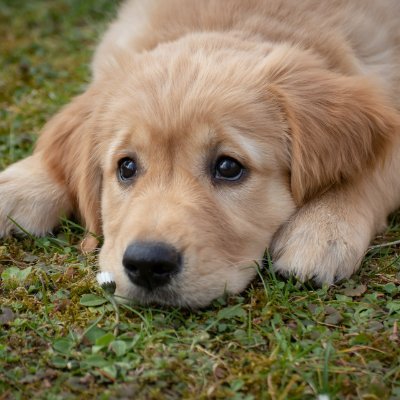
x: 228, y: 169
x: 126, y: 169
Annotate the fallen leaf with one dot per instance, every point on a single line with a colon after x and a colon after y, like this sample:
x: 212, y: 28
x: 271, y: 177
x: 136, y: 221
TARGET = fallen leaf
x: 333, y: 317
x: 356, y: 291
x: 6, y: 316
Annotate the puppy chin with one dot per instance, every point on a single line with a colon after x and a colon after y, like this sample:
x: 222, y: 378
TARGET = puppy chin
x: 171, y: 295
x: 165, y: 296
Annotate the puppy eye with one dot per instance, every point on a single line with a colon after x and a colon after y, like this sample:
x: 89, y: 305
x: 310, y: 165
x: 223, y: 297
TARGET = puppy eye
x: 228, y: 169
x: 127, y: 169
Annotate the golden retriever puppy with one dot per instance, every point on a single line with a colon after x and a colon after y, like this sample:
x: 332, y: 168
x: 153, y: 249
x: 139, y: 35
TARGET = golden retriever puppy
x: 213, y: 129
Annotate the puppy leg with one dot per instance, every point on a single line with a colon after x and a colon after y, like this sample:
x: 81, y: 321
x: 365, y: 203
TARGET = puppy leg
x: 31, y: 197
x: 327, y: 238
x: 325, y: 241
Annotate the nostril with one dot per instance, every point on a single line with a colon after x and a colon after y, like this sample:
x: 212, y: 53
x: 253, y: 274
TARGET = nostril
x: 131, y: 267
x: 163, y: 269
x: 151, y: 264
x: 156, y: 269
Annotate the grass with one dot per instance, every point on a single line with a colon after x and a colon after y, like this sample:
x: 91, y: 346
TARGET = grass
x: 278, y: 340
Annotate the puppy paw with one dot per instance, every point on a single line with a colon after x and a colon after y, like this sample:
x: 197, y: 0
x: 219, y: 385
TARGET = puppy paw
x: 30, y: 200
x: 10, y: 202
x: 319, y: 246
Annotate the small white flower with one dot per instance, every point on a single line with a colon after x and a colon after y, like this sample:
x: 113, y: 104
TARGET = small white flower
x: 106, y: 281
x: 323, y: 397
x: 104, y: 277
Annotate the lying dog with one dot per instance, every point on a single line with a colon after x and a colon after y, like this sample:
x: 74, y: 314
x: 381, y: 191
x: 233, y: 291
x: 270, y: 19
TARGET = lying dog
x: 215, y: 128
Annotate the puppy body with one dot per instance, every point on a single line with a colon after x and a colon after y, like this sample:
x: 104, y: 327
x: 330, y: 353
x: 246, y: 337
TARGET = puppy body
x: 305, y: 95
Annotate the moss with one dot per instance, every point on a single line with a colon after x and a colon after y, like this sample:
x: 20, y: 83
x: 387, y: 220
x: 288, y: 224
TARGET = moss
x: 278, y: 340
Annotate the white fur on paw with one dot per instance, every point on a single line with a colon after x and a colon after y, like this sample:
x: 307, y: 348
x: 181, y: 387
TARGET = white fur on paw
x: 324, y: 252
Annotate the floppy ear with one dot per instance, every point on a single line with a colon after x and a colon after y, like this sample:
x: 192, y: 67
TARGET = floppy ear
x: 338, y: 125
x: 68, y: 148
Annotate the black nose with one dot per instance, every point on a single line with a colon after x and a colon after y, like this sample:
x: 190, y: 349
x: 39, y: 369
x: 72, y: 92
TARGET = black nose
x: 151, y: 264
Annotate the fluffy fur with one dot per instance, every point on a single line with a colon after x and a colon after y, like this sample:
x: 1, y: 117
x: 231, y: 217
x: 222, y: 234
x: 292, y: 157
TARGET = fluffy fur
x: 306, y: 95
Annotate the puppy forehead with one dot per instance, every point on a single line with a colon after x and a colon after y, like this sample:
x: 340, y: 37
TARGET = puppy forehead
x: 195, y: 141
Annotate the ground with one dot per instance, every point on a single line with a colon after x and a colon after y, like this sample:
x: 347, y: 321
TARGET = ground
x: 58, y: 336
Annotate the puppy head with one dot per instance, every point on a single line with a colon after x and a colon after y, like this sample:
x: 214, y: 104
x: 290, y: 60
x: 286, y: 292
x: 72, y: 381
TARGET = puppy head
x: 199, y: 150
x: 195, y: 179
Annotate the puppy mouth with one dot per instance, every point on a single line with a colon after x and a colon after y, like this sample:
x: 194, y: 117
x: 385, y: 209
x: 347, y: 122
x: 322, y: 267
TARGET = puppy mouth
x: 167, y: 295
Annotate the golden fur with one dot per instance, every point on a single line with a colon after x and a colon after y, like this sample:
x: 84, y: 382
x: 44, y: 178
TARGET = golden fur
x: 305, y: 94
